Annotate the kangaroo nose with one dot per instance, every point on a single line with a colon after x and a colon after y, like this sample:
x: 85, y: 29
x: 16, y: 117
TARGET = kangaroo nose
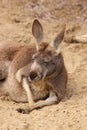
x: 33, y: 75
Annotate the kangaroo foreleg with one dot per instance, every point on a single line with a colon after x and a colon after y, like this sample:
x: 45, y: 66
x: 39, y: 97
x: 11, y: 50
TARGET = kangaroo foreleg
x: 26, y: 87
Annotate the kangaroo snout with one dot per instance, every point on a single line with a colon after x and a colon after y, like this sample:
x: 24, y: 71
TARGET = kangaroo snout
x: 33, y: 75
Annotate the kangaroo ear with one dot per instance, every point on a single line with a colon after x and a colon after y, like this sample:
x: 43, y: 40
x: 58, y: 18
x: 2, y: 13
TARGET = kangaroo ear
x: 58, y: 39
x: 37, y: 31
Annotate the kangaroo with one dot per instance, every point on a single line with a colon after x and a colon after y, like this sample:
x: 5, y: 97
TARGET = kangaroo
x: 33, y: 73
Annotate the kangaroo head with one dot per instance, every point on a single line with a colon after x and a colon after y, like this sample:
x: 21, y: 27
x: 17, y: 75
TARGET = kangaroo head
x: 45, y: 60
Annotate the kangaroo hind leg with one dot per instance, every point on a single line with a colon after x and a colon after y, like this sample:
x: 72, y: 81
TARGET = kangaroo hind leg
x: 4, y: 65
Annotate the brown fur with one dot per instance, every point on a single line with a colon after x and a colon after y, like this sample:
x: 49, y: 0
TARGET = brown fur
x: 18, y: 72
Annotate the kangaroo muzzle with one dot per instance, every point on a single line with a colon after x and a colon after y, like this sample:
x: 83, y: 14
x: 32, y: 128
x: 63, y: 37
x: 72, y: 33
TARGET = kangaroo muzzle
x: 33, y: 75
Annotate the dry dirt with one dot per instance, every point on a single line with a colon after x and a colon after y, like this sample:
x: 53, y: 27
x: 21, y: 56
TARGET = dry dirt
x: 15, y: 24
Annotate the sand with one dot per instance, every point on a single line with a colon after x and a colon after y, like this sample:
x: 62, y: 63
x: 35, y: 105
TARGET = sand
x: 15, y: 24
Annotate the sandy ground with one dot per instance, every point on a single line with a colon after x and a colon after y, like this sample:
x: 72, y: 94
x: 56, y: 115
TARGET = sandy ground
x: 15, y: 24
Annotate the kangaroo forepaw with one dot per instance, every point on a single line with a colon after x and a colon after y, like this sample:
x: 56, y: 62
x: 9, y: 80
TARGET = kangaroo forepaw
x: 18, y: 76
x: 23, y: 111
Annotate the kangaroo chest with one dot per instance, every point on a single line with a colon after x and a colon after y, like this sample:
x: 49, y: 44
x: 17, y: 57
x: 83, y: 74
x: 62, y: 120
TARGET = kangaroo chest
x: 39, y: 90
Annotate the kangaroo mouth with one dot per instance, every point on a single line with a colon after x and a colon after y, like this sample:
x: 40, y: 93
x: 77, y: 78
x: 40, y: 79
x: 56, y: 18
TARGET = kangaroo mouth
x: 39, y: 77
